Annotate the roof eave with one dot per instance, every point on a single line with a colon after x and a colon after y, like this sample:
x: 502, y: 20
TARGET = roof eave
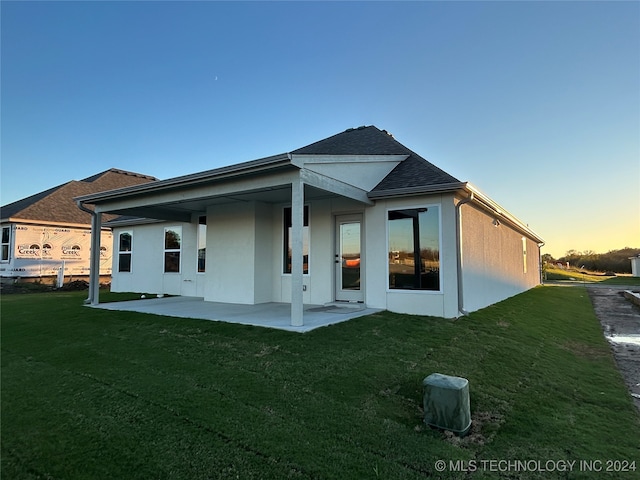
x: 421, y: 190
x: 254, y: 166
x: 502, y: 213
x: 130, y: 222
x: 462, y: 188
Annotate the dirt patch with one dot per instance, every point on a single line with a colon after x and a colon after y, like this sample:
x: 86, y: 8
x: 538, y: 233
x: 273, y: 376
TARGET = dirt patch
x: 484, y: 426
x: 37, y: 287
x: 585, y: 351
x: 620, y: 318
x: 19, y: 288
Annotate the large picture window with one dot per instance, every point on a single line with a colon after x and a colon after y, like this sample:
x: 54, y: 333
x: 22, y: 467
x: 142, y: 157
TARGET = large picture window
x: 125, y: 244
x: 414, y: 248
x: 202, y: 243
x: 287, y: 240
x: 6, y: 231
x: 172, y: 242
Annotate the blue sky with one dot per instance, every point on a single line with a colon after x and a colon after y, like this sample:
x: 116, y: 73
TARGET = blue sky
x: 536, y: 103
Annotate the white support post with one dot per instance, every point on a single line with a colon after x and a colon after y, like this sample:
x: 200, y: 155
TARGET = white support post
x: 94, y: 265
x: 297, y: 226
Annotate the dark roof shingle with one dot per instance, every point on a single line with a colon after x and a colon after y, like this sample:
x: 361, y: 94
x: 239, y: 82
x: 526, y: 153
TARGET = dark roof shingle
x: 57, y: 205
x: 414, y: 172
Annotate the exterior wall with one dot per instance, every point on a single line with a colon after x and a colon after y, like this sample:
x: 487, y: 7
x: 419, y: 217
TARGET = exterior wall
x: 244, y: 257
x: 147, y: 262
x: 635, y: 266
x: 264, y: 235
x: 231, y: 254
x: 493, y: 263
x: 320, y: 282
x: 441, y: 303
x: 69, y: 246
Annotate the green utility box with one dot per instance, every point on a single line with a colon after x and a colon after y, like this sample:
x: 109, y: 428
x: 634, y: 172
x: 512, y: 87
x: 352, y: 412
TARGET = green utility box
x: 446, y: 403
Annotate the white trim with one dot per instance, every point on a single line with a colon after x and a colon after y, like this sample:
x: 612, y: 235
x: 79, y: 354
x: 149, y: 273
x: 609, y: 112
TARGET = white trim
x: 126, y: 252
x: 360, y: 218
x: 8, y: 244
x: 440, y: 291
x: 198, y: 242
x: 320, y: 159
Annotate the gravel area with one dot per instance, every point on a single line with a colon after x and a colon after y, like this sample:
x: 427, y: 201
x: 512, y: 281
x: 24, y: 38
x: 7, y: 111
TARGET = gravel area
x: 620, y: 320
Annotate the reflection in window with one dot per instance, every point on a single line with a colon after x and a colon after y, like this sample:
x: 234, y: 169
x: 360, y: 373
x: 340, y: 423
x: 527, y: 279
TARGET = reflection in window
x: 202, y: 243
x: 172, y: 239
x: 287, y: 240
x: 125, y: 242
x: 414, y: 249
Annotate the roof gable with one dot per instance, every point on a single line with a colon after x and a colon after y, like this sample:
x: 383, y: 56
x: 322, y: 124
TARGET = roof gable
x: 414, y: 172
x: 57, y: 205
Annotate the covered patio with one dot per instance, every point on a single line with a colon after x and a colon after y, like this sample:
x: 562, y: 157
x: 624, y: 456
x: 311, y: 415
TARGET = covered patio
x: 272, y: 180
x: 269, y: 315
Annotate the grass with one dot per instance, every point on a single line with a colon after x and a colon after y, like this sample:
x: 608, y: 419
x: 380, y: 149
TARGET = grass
x: 552, y: 273
x: 98, y: 394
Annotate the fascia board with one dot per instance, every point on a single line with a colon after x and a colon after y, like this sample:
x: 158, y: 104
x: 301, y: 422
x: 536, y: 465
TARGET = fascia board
x: 303, y: 159
x: 186, y: 181
x: 502, y: 213
x: 131, y: 221
x: 26, y: 221
x: 411, y: 191
x: 197, y: 191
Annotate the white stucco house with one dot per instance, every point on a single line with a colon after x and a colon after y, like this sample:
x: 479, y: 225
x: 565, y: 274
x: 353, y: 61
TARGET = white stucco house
x: 635, y: 266
x: 356, y: 217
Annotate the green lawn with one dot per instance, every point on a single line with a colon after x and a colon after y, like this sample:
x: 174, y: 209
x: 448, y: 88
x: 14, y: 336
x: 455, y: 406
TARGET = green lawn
x: 95, y: 394
x: 553, y: 273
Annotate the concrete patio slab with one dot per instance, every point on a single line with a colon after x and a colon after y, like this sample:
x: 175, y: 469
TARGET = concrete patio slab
x: 270, y: 315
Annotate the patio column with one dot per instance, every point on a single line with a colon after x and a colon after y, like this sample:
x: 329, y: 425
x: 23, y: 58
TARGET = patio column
x: 297, y: 225
x: 94, y: 262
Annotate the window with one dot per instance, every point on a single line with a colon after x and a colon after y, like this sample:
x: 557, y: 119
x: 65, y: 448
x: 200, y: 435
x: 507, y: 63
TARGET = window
x: 524, y: 254
x: 125, y: 242
x: 202, y: 243
x: 6, y: 231
x: 414, y: 248
x: 172, y: 240
x: 287, y: 240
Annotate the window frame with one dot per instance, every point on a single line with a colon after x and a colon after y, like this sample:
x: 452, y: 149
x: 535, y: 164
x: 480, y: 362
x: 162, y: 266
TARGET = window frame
x: 6, y: 244
x: 440, y: 249
x: 198, y: 237
x: 285, y: 239
x: 165, y: 250
x: 125, y: 252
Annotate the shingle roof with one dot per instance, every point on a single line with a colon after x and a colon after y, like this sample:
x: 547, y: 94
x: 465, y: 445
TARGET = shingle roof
x: 57, y: 205
x: 356, y: 141
x: 414, y: 172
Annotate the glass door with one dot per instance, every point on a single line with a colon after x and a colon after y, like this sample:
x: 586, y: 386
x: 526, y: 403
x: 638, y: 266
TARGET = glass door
x: 348, y: 259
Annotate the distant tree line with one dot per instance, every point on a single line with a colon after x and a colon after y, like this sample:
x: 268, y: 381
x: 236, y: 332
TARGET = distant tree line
x: 613, y: 261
